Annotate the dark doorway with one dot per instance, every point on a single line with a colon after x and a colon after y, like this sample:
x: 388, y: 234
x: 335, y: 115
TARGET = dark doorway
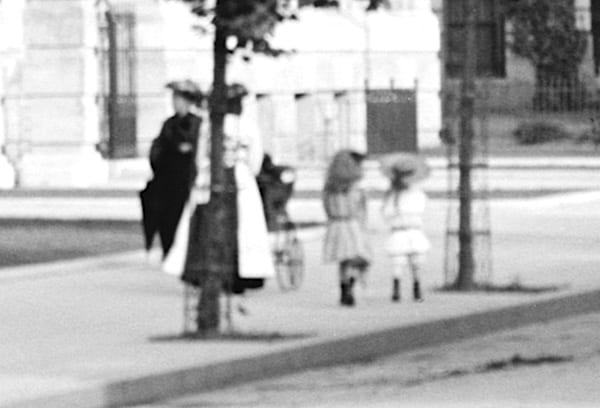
x: 391, y: 120
x: 120, y: 86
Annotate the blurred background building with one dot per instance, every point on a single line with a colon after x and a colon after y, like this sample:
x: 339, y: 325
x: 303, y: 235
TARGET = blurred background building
x: 510, y: 78
x: 82, y: 81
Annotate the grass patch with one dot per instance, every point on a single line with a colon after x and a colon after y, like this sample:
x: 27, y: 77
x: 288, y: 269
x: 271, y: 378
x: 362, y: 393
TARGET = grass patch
x: 36, y: 241
x: 502, y: 143
x: 534, y: 133
x: 29, y: 241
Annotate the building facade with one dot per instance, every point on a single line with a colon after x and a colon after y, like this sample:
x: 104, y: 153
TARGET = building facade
x: 510, y: 77
x: 83, y: 92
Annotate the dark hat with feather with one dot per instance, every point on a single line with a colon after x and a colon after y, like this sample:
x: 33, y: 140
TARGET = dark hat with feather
x: 187, y: 89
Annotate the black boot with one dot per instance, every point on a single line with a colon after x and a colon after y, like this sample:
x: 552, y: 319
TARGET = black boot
x: 344, y: 293
x: 417, y: 292
x: 347, y: 298
x: 350, y: 297
x: 396, y: 290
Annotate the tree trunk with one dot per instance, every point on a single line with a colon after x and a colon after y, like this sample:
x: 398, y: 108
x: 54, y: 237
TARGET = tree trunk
x: 219, y: 262
x: 466, y: 263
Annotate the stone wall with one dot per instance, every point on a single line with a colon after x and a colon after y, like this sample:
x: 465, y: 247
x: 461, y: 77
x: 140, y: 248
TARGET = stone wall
x: 58, y: 96
x: 11, y: 53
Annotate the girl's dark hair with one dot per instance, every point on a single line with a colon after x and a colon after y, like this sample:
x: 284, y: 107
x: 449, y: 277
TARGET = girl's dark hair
x: 343, y: 171
x: 398, y: 183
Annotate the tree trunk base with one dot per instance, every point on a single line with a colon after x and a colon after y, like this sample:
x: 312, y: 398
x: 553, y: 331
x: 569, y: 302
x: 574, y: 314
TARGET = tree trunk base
x: 209, y: 314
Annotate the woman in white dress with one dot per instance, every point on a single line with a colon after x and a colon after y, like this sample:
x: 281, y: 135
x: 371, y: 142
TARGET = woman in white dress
x: 403, y: 208
x: 243, y: 157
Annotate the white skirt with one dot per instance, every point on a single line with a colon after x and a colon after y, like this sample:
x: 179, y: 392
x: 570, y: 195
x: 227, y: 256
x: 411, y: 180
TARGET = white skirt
x: 254, y: 248
x: 409, y: 241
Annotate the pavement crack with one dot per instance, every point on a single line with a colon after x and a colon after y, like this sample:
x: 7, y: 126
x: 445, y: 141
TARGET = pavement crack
x: 515, y: 362
x: 511, y: 363
x: 518, y: 361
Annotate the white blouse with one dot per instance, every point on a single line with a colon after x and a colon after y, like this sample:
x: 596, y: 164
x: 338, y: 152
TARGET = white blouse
x: 406, y: 210
x: 243, y: 145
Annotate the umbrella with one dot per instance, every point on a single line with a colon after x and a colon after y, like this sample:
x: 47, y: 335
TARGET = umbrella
x: 150, y: 215
x: 414, y: 166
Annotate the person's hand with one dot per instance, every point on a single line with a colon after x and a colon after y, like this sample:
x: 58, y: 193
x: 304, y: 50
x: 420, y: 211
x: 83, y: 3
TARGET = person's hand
x: 185, y: 147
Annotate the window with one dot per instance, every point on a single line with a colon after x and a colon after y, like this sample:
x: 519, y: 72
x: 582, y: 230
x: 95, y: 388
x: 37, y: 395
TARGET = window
x: 490, y: 38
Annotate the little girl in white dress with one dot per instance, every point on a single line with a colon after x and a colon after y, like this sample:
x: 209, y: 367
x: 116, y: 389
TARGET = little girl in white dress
x: 403, y: 208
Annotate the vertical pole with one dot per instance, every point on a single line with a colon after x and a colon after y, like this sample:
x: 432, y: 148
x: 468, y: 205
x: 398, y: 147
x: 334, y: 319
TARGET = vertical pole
x: 466, y: 263
x: 132, y: 96
x: 416, y: 113
x: 221, y: 214
x: 367, y: 50
x: 113, y: 84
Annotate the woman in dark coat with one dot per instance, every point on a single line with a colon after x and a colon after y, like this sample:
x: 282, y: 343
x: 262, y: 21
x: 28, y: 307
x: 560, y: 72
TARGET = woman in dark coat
x: 172, y: 158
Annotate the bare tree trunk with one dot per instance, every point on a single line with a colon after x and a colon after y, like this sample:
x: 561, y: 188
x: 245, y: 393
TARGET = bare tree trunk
x: 466, y: 263
x: 221, y: 225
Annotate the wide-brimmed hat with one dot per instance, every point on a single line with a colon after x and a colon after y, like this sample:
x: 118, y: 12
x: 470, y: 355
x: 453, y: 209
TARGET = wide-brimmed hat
x: 410, y: 166
x: 188, y: 89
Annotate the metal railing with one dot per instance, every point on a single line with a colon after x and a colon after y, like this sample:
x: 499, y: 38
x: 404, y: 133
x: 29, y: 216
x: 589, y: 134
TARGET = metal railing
x: 543, y: 95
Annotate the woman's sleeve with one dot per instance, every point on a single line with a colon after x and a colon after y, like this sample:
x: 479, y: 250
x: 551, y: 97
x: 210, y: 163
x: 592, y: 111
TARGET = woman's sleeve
x: 362, y: 206
x: 157, y: 150
x: 327, y: 204
x: 254, y: 144
x: 387, y: 209
x: 201, y: 189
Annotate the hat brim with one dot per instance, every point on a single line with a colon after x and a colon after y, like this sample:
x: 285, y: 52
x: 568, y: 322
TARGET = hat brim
x: 187, y: 89
x: 414, y: 166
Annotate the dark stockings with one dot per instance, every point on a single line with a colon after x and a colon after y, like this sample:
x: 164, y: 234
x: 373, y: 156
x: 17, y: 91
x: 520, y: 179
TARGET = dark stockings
x: 346, y: 283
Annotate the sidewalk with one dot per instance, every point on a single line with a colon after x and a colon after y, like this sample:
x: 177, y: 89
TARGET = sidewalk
x: 504, y: 173
x: 118, y: 200
x: 103, y: 332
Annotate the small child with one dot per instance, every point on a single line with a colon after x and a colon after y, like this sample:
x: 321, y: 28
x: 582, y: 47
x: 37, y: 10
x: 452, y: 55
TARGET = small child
x: 345, y: 204
x: 403, y: 208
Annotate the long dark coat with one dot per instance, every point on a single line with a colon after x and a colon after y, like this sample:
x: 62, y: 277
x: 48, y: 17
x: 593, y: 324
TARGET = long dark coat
x: 172, y: 158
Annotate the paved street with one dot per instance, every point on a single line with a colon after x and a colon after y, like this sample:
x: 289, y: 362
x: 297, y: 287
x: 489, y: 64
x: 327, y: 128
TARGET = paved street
x: 553, y: 364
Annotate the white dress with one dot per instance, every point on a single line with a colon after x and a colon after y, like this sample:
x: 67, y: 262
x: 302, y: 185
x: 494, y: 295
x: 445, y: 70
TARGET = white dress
x: 404, y: 215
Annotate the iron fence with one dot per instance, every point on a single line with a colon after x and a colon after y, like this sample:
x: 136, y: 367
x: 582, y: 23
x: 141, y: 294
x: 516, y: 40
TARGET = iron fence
x: 546, y: 95
x: 301, y: 127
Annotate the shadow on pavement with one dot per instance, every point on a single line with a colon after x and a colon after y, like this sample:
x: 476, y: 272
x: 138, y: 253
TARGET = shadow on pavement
x: 268, y: 337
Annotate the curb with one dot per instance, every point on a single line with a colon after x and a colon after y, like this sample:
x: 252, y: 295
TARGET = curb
x: 127, y: 210
x: 156, y: 387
